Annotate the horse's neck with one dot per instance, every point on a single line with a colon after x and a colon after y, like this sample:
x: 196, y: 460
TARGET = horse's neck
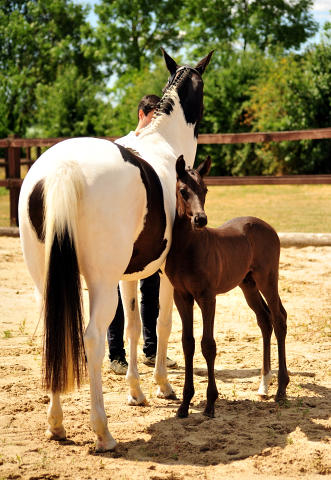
x: 166, y: 138
x: 182, y: 233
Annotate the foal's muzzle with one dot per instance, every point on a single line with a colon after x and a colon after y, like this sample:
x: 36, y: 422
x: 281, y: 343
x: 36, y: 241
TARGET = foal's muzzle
x: 199, y: 221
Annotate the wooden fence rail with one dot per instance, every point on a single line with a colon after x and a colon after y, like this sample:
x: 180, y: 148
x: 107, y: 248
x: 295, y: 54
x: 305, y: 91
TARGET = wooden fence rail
x: 12, y: 162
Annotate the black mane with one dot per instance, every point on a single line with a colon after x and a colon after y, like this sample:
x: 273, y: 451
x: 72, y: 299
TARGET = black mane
x: 186, y: 94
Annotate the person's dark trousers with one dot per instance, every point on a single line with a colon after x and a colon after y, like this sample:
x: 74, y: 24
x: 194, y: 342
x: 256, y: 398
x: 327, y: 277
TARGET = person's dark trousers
x: 149, y: 310
x: 115, y: 332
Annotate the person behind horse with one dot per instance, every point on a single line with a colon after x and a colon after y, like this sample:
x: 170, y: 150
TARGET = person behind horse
x: 149, y: 287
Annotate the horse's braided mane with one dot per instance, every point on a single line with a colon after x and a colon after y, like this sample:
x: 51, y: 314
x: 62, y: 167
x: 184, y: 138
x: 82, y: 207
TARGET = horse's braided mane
x: 166, y: 104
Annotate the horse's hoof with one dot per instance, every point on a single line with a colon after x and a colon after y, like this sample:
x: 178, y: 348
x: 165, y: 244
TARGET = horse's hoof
x: 280, y: 397
x: 209, y: 414
x: 180, y: 414
x: 58, y: 435
x: 167, y: 396
x: 172, y: 396
x: 262, y: 397
x: 135, y: 402
x: 111, y: 447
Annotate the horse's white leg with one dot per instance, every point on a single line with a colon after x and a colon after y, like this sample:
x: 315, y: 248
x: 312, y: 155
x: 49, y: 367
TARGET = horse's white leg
x: 103, y: 303
x: 55, y: 430
x: 132, y: 333
x: 34, y: 252
x: 163, y: 329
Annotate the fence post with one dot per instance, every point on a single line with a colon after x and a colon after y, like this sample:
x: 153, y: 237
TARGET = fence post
x: 14, y: 171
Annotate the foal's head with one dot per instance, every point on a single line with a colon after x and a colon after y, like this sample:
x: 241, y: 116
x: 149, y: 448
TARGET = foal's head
x: 191, y: 192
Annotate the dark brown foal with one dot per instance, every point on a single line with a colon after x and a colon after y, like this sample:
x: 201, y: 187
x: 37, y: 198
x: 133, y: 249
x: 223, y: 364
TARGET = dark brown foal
x: 204, y: 262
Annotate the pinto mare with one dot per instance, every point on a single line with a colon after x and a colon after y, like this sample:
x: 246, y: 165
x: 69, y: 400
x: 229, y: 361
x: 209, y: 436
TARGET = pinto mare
x: 91, y: 207
x: 203, y: 262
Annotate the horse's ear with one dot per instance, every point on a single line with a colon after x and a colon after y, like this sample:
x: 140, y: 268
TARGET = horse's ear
x: 202, y: 65
x: 171, y: 64
x: 180, y: 166
x: 204, y: 168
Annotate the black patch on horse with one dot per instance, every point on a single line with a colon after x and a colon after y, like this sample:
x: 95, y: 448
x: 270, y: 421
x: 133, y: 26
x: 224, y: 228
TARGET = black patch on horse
x: 189, y: 86
x: 191, y: 97
x: 36, y: 209
x: 151, y: 243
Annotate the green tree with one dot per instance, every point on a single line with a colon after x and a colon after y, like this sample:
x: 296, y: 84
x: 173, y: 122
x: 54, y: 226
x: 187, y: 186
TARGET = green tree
x: 295, y: 95
x: 131, y: 33
x: 71, y: 106
x: 225, y: 24
x: 36, y: 38
x: 226, y: 94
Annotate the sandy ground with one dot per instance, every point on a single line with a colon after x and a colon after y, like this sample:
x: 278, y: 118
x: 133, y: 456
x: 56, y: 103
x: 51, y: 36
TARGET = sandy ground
x: 247, y: 438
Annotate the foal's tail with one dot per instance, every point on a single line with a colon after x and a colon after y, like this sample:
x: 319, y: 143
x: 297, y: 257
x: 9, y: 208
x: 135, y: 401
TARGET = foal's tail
x: 64, y: 358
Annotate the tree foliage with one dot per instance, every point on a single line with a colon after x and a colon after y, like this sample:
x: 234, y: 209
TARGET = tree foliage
x: 259, y: 24
x: 132, y: 32
x: 54, y: 67
x: 295, y: 95
x: 71, y: 106
x: 38, y: 37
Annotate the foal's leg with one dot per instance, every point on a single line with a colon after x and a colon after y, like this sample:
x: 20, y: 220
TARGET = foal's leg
x: 207, y: 303
x: 163, y: 328
x: 185, y: 309
x: 132, y: 333
x: 269, y: 290
x: 103, y: 303
x: 263, y: 317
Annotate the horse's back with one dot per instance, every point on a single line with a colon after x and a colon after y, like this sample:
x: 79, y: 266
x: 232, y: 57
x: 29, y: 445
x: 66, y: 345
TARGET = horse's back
x: 256, y: 234
x: 110, y: 213
x: 254, y: 228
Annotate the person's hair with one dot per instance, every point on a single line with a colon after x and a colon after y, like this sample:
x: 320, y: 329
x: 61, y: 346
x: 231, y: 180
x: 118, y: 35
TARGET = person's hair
x: 148, y: 103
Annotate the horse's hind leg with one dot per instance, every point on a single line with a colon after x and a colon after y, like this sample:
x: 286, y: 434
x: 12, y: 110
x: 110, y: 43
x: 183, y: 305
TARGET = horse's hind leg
x: 207, y: 303
x: 55, y: 430
x: 103, y: 303
x: 269, y: 290
x: 132, y: 333
x: 263, y: 317
x: 185, y: 309
x: 34, y: 256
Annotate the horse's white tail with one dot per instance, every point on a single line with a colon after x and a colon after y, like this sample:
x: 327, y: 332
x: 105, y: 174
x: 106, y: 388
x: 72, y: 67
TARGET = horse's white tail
x: 64, y: 359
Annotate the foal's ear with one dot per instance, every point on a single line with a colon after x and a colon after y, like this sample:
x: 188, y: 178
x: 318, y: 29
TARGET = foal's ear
x: 202, y: 65
x: 204, y: 168
x: 180, y: 166
x: 171, y: 64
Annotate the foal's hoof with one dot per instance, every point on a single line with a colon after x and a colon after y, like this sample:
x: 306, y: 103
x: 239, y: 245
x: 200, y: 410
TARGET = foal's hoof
x: 59, y: 434
x: 181, y: 413
x: 209, y: 413
x: 280, y: 397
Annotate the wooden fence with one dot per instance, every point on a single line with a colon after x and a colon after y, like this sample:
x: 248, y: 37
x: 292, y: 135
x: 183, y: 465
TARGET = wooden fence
x: 13, y: 147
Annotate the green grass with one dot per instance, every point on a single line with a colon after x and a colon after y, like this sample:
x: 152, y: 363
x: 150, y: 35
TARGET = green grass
x: 4, y: 207
x: 288, y: 208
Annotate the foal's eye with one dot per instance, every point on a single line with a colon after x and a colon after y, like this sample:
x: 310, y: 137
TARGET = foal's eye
x: 182, y: 191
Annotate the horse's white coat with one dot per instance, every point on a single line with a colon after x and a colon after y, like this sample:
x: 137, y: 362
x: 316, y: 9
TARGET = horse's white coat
x: 104, y: 199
